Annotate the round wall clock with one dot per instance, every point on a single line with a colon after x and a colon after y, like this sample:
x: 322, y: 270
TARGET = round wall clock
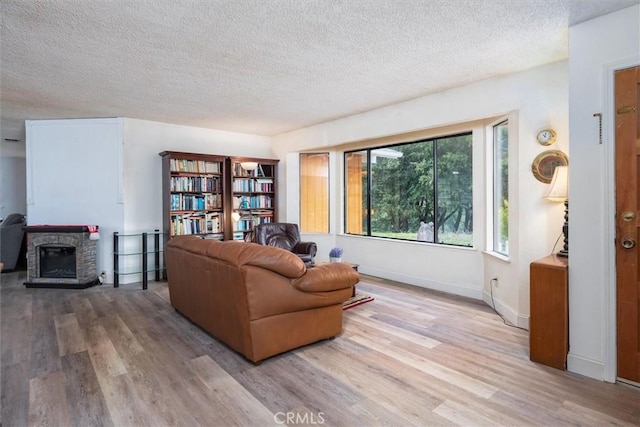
x: 547, y: 137
x: 545, y: 163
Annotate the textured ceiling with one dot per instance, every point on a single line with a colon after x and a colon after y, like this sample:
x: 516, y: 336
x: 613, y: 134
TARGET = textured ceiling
x: 263, y: 66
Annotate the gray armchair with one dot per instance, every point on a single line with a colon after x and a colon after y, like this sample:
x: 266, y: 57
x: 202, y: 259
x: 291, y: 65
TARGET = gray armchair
x: 286, y: 236
x: 11, y: 234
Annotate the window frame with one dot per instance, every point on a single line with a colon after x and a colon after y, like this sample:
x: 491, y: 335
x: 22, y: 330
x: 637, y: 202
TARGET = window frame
x: 367, y: 231
x: 493, y: 212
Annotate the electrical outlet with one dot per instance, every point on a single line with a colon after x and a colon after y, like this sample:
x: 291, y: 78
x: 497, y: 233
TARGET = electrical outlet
x: 495, y: 281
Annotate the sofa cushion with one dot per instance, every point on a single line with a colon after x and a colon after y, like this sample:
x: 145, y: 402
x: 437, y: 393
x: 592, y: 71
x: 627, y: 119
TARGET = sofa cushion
x: 240, y: 253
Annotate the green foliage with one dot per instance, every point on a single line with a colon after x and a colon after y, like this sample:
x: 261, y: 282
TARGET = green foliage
x: 459, y: 239
x: 504, y: 220
x: 403, y: 189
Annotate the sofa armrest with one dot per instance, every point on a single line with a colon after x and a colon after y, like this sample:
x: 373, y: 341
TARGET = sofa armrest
x: 327, y: 277
x: 278, y: 260
x: 306, y: 248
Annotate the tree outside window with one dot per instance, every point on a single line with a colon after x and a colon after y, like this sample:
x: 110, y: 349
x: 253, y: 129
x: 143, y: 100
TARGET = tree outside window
x: 501, y: 188
x: 420, y: 191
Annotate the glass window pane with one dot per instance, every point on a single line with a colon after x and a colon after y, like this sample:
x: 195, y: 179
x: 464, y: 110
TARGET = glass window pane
x: 355, y: 192
x: 420, y: 191
x: 454, y: 220
x: 501, y: 188
x: 402, y: 191
x: 314, y: 192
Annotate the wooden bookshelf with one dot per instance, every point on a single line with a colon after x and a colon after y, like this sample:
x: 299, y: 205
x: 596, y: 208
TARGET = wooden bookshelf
x: 251, y: 195
x: 193, y: 189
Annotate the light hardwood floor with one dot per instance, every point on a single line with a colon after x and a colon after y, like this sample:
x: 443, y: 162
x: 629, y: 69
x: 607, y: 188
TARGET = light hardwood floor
x: 124, y: 357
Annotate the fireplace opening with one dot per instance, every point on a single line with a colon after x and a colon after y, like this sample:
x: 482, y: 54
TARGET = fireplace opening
x: 58, y: 262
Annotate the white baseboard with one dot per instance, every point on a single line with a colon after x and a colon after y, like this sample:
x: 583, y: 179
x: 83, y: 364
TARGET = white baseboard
x: 508, y: 312
x: 464, y: 291
x: 585, y: 366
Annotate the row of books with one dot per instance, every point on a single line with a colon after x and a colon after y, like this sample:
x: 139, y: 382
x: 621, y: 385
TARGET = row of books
x: 196, y: 166
x: 195, y: 183
x: 263, y: 185
x: 248, y: 222
x: 196, y: 224
x: 200, y: 202
x: 245, y: 224
x: 238, y: 170
x: 252, y: 202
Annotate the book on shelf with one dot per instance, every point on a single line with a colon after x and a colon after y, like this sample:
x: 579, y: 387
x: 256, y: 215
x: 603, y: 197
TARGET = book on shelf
x: 213, y: 223
x: 244, y: 185
x: 196, y: 223
x: 239, y: 171
x: 194, y: 166
x: 262, y: 216
x: 215, y: 236
x: 252, y: 202
x: 195, y: 184
x: 246, y: 223
x: 195, y: 202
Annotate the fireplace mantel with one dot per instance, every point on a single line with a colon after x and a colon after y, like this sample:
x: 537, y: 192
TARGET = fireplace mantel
x: 56, y: 229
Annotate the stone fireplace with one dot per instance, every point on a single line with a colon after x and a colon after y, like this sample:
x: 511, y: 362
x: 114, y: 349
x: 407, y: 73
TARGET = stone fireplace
x: 60, y: 257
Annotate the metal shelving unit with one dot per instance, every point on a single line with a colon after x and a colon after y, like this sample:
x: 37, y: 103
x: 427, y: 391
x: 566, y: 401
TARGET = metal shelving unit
x: 143, y: 252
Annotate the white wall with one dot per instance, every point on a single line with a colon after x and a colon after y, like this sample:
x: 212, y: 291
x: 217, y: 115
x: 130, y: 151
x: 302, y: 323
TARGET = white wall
x: 596, y: 49
x: 108, y: 172
x: 144, y: 140
x: 74, y: 173
x: 535, y: 99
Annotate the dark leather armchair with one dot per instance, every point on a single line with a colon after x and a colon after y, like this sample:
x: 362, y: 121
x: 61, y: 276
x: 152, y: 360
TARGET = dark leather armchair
x: 285, y: 236
x: 11, y: 234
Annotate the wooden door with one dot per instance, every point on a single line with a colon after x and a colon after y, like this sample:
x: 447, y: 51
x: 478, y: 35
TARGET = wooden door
x: 627, y: 95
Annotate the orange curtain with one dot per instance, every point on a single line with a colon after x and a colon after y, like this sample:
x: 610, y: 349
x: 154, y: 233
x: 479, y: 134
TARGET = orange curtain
x: 354, y: 191
x: 314, y: 192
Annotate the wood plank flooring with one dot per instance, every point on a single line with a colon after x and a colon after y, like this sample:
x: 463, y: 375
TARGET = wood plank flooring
x: 123, y: 357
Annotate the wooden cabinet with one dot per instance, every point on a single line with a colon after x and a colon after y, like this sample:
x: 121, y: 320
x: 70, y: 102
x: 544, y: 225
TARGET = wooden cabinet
x: 549, y: 319
x: 251, y: 195
x: 193, y: 194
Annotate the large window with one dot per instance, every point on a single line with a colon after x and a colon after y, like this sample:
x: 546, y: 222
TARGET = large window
x: 314, y: 192
x: 419, y: 190
x: 501, y: 188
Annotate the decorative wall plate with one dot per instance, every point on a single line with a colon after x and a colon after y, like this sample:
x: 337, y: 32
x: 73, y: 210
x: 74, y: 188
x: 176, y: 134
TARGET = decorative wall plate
x: 545, y: 163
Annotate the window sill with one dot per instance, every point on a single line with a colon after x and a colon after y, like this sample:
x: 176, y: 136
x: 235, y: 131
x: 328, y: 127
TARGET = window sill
x: 497, y: 256
x: 409, y: 242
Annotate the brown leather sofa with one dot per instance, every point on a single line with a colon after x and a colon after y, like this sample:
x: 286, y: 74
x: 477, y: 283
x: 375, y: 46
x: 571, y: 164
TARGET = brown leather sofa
x: 259, y: 300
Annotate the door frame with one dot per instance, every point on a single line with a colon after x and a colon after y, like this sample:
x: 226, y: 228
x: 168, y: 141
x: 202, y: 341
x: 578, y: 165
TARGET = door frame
x: 609, y: 141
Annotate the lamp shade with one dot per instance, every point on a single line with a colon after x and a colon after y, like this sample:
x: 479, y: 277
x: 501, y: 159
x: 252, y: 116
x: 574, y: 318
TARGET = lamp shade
x: 559, y: 187
x: 249, y: 166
